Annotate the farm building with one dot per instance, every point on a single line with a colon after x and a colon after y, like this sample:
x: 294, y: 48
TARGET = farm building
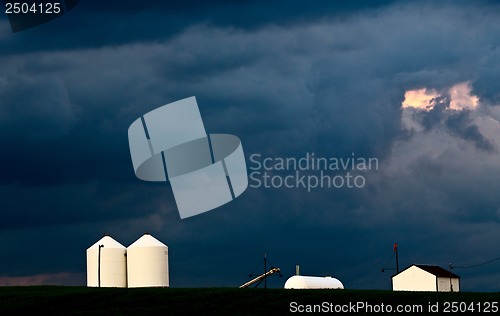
x: 420, y: 277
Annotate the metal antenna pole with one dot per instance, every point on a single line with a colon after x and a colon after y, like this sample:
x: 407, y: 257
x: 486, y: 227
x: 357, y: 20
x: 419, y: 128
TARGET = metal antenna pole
x: 397, y: 257
x: 265, y: 270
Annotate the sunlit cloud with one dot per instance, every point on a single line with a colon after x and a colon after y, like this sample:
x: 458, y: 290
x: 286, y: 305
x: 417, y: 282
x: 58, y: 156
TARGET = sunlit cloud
x: 420, y: 99
x: 461, y: 97
x: 424, y: 99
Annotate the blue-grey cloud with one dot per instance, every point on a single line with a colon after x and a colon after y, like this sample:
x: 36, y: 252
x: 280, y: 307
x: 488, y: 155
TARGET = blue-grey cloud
x: 290, y: 81
x: 459, y: 123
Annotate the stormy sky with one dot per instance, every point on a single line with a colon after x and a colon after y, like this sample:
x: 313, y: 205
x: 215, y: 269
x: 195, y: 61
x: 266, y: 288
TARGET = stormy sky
x: 414, y: 84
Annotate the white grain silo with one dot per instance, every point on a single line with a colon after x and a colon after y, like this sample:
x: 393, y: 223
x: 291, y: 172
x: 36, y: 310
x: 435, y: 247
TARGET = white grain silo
x: 147, y: 263
x: 312, y: 282
x: 107, y: 264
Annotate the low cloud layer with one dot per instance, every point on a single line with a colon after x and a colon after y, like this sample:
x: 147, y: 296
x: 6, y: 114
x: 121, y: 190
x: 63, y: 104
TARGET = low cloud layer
x: 333, y: 84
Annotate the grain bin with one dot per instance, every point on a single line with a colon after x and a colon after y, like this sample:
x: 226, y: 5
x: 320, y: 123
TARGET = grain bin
x: 106, y: 264
x: 147, y: 263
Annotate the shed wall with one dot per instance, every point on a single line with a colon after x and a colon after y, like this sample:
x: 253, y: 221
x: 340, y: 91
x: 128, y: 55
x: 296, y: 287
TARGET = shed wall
x: 414, y: 279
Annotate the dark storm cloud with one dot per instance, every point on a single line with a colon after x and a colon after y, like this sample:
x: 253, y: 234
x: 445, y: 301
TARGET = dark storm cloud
x: 33, y: 206
x: 485, y: 85
x: 328, y: 78
x: 331, y: 86
x: 152, y: 20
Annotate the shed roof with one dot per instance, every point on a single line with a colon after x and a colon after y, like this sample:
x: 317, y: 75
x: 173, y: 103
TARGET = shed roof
x: 434, y: 270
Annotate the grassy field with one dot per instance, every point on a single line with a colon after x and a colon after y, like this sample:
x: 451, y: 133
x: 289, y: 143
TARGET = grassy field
x: 60, y: 300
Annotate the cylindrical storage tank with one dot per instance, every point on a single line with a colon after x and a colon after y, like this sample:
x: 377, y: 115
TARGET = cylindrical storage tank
x: 311, y: 282
x: 107, y: 264
x: 147, y: 263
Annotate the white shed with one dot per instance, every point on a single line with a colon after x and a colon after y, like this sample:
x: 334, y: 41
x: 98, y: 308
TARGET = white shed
x: 420, y: 277
x: 106, y: 264
x: 312, y: 282
x: 147, y: 263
